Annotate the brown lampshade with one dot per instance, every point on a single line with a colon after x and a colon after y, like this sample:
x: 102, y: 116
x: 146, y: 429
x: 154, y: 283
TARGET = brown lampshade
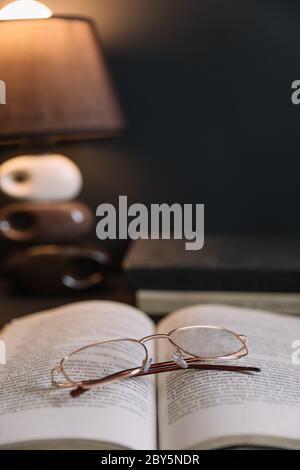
x: 57, y: 82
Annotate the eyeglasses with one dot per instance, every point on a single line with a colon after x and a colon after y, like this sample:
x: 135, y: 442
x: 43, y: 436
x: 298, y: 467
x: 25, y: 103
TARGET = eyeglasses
x: 108, y: 361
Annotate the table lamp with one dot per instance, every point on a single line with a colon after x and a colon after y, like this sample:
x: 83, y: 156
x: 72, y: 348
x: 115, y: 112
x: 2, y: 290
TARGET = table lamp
x: 57, y: 88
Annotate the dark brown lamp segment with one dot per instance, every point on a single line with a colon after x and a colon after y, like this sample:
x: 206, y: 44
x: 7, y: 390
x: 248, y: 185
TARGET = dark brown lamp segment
x: 55, y: 269
x: 46, y: 222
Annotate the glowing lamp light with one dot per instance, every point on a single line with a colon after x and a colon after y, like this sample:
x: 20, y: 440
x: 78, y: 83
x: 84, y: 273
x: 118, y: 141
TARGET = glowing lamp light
x: 25, y: 9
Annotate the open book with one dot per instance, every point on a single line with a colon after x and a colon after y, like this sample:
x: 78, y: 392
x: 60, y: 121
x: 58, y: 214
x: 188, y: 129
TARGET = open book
x: 186, y: 409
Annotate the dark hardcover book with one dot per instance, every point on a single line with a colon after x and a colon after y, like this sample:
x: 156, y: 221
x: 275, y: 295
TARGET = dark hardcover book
x: 225, y: 263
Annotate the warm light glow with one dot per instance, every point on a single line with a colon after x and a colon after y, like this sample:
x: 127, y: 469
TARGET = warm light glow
x: 24, y: 9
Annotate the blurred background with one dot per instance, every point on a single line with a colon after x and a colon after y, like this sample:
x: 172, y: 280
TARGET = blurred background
x: 205, y: 87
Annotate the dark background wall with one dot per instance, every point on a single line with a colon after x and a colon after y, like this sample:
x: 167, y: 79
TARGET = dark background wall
x: 206, y: 90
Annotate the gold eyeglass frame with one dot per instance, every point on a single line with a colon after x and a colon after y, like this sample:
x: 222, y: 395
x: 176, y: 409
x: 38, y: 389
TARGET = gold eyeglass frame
x: 168, y: 366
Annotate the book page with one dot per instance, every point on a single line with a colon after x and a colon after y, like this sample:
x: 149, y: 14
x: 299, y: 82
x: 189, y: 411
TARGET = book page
x: 121, y: 414
x: 217, y: 408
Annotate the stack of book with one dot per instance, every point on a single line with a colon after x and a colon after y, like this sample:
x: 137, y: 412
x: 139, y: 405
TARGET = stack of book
x: 253, y: 272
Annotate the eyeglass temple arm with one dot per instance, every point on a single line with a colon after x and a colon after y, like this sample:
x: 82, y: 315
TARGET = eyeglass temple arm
x: 169, y: 367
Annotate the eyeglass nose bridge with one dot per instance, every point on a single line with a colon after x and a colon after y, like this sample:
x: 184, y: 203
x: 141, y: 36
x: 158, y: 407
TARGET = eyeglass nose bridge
x: 161, y: 336
x: 178, y: 351
x: 176, y: 356
x: 156, y: 336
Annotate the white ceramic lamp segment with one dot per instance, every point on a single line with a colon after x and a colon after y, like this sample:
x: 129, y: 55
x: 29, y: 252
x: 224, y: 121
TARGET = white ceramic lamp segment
x: 41, y: 178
